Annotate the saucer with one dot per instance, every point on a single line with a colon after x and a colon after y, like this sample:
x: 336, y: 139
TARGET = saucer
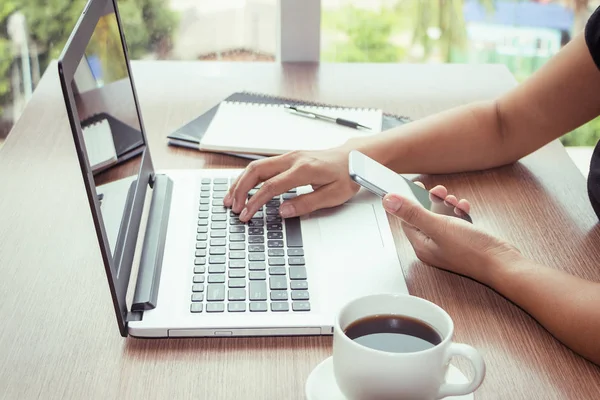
x: 321, y: 384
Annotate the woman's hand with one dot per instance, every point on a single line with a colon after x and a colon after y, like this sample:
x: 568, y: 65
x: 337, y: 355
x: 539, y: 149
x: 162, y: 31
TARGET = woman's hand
x: 326, y: 171
x: 450, y: 243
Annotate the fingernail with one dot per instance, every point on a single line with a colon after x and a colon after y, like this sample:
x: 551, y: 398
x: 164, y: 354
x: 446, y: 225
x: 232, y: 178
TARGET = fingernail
x: 392, y: 203
x: 244, y: 213
x: 287, y: 211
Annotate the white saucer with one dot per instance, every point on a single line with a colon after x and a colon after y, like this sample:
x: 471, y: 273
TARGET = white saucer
x: 321, y: 384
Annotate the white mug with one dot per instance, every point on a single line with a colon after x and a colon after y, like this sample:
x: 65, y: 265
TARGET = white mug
x: 365, y: 373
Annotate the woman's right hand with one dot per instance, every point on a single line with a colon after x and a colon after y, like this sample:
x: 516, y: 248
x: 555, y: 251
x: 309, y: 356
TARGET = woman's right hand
x: 325, y: 170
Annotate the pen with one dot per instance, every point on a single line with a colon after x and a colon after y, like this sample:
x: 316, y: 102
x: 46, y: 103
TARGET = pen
x: 339, y: 121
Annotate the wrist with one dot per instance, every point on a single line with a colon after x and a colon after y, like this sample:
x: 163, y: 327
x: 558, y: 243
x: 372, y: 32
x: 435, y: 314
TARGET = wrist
x: 501, y: 269
x: 376, y: 149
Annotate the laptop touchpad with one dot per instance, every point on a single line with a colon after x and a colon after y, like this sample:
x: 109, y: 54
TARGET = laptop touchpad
x: 349, y: 229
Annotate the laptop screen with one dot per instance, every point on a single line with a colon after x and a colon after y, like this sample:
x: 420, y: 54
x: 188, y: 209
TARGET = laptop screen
x: 110, y: 124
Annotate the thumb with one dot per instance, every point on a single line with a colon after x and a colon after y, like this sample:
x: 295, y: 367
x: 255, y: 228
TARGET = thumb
x: 412, y: 213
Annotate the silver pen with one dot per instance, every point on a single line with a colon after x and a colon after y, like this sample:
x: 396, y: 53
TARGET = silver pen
x: 339, y: 121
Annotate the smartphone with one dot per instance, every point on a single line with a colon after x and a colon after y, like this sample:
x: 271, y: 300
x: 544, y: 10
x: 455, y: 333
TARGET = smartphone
x: 381, y: 180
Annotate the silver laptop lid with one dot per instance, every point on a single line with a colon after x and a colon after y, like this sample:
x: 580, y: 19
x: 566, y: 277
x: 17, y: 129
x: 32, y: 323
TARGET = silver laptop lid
x: 102, y: 107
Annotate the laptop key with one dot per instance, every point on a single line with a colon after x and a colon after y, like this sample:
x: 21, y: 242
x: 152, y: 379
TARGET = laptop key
x: 205, y: 194
x: 273, y: 219
x: 218, y: 225
x: 196, y: 307
x: 215, y: 292
x: 278, y: 283
x: 216, y: 259
x: 203, y: 207
x: 198, y: 287
x: 202, y: 229
x: 274, y: 235
x: 202, y: 236
x: 277, y: 271
x: 205, y: 181
x: 279, y: 295
x: 215, y: 307
x: 297, y: 273
x: 201, y: 252
x: 219, y: 210
x: 295, y: 252
x: 203, y: 214
x: 237, y: 229
x: 256, y: 231
x: 217, y: 251
x: 254, y: 223
x: 237, y: 273
x: 237, y: 283
x: 296, y: 261
x: 216, y: 269
x: 257, y: 276
x: 256, y: 257
x: 200, y: 261
x: 218, y: 242
x: 197, y: 296
x: 257, y: 290
x: 257, y: 266
x: 220, y: 278
x: 201, y: 245
x: 254, y: 248
x: 238, y: 306
x: 237, y: 237
x: 198, y: 278
x: 237, y: 294
x: 288, y: 196
x: 220, y: 188
x: 274, y: 227
x: 300, y: 295
x: 272, y: 211
x: 298, y: 285
x: 203, y: 222
x: 274, y: 243
x: 276, y: 253
x: 219, y: 195
x: 237, y: 263
x: 301, y: 306
x: 273, y: 203
x: 236, y: 255
x: 235, y: 221
x: 293, y: 232
x: 258, y: 306
x: 217, y: 202
x: 237, y: 246
x: 219, y: 218
x: 218, y: 234
x: 275, y: 261
x: 204, y: 200
x: 200, y: 269
x: 258, y: 215
x: 280, y: 306
x: 221, y: 181
x: 256, y: 239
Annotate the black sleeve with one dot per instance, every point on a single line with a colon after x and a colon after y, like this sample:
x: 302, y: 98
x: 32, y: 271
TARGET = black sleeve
x: 592, y: 36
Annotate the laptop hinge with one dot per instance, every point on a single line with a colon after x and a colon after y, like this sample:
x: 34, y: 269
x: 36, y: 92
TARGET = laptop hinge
x: 146, y: 288
x: 152, y: 179
x: 134, y: 316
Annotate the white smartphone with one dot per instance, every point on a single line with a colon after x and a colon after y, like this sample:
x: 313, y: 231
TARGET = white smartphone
x: 381, y: 180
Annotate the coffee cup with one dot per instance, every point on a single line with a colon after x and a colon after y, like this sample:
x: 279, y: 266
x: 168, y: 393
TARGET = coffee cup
x: 397, y: 346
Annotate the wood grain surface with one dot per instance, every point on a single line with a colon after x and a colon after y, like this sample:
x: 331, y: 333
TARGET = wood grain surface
x: 59, y: 338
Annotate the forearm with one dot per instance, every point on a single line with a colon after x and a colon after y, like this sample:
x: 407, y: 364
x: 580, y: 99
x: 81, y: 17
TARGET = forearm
x: 464, y: 138
x: 567, y: 306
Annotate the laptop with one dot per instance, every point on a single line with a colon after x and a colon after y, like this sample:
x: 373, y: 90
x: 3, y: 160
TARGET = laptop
x: 178, y: 263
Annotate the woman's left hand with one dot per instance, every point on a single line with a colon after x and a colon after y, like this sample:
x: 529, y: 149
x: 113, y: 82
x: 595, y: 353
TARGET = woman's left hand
x: 450, y: 243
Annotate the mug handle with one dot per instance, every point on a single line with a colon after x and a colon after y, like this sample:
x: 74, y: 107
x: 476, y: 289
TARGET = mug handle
x: 461, y: 389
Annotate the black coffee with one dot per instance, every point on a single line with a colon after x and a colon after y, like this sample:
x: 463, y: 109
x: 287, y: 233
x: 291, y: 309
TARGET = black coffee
x: 393, y: 333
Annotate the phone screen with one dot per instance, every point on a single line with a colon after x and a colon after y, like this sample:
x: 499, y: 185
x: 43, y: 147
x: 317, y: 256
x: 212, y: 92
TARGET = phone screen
x: 381, y: 180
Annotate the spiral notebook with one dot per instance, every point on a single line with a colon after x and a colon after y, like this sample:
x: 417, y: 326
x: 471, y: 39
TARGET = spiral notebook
x: 270, y: 129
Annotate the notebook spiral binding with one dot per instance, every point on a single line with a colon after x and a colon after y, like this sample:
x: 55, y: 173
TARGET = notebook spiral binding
x: 280, y: 101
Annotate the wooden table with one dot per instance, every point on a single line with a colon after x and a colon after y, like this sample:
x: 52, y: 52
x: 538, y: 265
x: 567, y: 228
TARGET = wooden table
x: 59, y: 337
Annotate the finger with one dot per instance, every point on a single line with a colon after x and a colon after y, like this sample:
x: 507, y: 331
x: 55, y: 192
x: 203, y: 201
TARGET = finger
x: 325, y: 196
x: 452, y: 200
x: 464, y: 205
x: 412, y: 213
x: 270, y: 188
x: 439, y: 191
x: 419, y: 184
x: 256, y: 172
x: 417, y: 238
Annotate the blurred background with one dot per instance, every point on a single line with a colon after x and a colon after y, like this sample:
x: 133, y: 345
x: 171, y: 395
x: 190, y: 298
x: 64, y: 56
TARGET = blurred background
x: 523, y: 35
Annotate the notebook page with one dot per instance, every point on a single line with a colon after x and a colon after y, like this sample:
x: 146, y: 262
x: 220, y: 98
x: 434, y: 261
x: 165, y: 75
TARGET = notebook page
x: 271, y: 129
x: 99, y: 144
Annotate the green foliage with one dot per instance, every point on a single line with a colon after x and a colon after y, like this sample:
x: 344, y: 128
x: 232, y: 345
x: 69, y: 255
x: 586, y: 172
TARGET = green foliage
x: 586, y: 135
x: 368, y: 36
x: 148, y: 27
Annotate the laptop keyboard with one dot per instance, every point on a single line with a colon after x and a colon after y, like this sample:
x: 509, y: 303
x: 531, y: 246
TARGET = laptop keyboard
x: 258, y: 266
